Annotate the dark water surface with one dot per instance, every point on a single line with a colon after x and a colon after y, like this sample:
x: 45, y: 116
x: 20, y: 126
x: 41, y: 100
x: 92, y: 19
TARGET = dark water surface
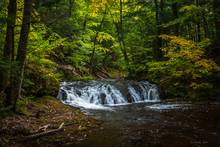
x: 162, y: 125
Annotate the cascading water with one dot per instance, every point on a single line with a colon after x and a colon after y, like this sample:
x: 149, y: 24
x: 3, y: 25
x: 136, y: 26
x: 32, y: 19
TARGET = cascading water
x: 101, y: 93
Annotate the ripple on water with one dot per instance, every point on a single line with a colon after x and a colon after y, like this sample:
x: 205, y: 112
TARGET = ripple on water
x: 165, y: 107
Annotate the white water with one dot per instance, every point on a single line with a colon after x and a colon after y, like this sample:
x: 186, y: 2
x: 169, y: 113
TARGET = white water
x: 105, y: 93
x: 170, y: 106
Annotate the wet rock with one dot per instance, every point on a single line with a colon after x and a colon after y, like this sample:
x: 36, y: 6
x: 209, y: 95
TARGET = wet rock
x: 78, y: 93
x: 103, y: 98
x: 63, y: 94
x: 91, y: 100
x: 129, y: 98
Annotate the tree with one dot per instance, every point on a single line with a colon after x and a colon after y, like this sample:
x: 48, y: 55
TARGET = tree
x: 121, y: 36
x: 216, y: 7
x: 16, y: 82
x: 187, y: 71
x: 92, y: 59
x: 175, y: 10
x: 8, y: 53
x: 198, y: 26
x: 157, y: 44
x: 115, y: 37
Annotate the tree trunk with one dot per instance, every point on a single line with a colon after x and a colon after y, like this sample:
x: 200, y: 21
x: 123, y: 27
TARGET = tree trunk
x: 21, y: 55
x: 175, y: 16
x: 216, y: 7
x: 70, y: 7
x: 215, y: 53
x: 157, y: 43
x: 86, y: 16
x: 198, y: 26
x: 8, y: 53
x: 92, y: 59
x: 121, y: 37
x: 120, y: 33
x: 205, y: 26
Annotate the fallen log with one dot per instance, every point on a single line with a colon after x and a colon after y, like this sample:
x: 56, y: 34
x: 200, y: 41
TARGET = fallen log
x: 41, y: 129
x: 49, y: 132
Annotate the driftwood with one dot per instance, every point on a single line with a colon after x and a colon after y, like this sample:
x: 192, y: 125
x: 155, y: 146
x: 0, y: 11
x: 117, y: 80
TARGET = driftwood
x: 41, y: 129
x: 44, y: 128
x: 49, y: 132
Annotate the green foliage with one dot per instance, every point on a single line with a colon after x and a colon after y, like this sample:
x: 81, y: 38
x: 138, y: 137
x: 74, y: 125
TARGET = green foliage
x: 22, y: 106
x: 3, y: 20
x: 71, y: 40
x: 68, y: 38
x: 84, y: 78
x: 186, y: 71
x: 41, y: 76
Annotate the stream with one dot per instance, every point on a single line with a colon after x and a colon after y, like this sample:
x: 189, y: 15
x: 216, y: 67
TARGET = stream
x: 133, y: 116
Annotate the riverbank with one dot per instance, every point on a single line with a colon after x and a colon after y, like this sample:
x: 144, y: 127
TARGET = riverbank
x: 45, y: 121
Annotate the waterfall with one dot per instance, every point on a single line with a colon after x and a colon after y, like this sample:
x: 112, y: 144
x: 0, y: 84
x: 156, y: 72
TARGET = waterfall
x: 100, y: 93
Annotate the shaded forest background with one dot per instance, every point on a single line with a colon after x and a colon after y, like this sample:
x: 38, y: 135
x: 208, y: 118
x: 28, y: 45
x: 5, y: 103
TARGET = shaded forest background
x: 174, y: 43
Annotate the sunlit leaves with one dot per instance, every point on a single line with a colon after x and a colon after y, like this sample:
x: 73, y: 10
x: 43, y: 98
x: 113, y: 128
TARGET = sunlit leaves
x: 186, y: 65
x: 97, y: 5
x: 42, y: 41
x: 104, y: 37
x: 20, y: 6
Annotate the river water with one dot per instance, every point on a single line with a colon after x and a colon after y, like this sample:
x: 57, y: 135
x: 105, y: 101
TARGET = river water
x: 133, y: 116
x: 160, y: 125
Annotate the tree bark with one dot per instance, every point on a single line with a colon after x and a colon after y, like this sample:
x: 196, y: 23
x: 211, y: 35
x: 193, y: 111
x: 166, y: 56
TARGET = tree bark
x: 120, y: 34
x: 215, y: 53
x: 216, y: 7
x: 176, y: 16
x: 157, y: 43
x: 21, y: 55
x: 121, y: 37
x: 198, y: 26
x: 8, y: 53
x: 205, y: 25
x: 70, y: 7
x: 92, y: 59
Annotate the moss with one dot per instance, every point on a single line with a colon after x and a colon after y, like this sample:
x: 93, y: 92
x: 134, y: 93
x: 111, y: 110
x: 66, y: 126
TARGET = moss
x: 21, y: 106
x: 84, y: 78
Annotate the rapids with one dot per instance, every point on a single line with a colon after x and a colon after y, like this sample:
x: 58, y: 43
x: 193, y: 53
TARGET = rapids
x: 100, y: 94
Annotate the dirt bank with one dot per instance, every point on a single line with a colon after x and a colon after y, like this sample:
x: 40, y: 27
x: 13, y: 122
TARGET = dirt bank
x: 44, y: 115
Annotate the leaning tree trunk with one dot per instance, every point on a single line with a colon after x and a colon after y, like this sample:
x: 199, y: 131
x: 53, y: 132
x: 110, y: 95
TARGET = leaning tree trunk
x: 92, y: 59
x: 8, y: 53
x: 121, y: 38
x: 21, y: 55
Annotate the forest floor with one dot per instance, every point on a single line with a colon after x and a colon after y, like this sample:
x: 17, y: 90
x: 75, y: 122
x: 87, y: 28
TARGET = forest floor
x: 41, y: 117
